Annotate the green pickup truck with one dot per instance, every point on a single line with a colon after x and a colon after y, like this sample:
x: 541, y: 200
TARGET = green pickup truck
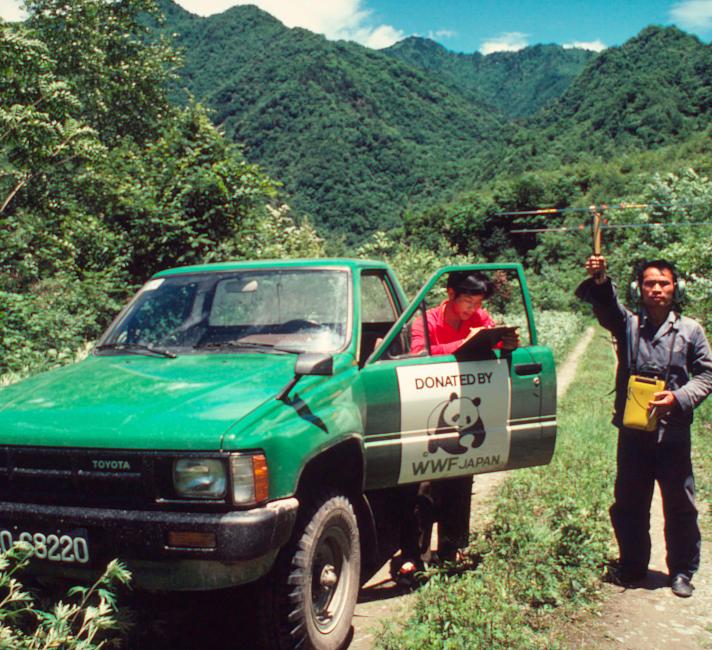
x: 262, y: 422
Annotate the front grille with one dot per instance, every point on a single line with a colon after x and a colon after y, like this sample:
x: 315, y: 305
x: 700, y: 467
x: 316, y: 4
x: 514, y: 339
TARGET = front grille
x: 87, y: 477
x: 106, y: 478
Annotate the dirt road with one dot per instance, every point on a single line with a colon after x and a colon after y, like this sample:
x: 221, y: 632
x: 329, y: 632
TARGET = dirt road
x: 651, y: 616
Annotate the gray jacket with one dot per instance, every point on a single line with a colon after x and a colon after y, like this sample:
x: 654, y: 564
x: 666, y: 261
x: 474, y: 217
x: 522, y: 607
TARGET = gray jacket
x: 679, y: 343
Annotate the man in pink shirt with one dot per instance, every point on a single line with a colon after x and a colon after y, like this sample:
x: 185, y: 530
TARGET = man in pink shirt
x: 450, y: 324
x: 459, y: 317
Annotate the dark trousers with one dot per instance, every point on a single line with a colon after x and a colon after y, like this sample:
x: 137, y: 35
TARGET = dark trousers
x: 641, y: 462
x: 446, y: 501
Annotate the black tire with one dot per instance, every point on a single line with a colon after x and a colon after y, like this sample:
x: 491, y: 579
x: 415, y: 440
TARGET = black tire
x: 309, y: 598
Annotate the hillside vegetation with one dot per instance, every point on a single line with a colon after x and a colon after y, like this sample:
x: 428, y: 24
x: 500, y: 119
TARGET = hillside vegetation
x: 516, y: 84
x: 363, y: 138
x: 356, y: 136
x: 656, y: 89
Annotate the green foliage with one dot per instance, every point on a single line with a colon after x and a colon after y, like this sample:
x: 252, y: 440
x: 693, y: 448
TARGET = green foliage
x: 103, y: 48
x: 86, y: 621
x: 187, y: 197
x: 277, y: 235
x: 54, y: 320
x: 355, y: 135
x: 631, y: 97
x: 413, y: 264
x: 41, y: 131
x: 702, y: 460
x: 685, y: 198
x: 364, y: 139
x: 543, y: 553
x: 559, y: 330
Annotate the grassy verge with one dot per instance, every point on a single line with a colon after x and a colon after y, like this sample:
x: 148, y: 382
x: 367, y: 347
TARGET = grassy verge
x: 561, y: 330
x: 702, y: 462
x: 543, y: 554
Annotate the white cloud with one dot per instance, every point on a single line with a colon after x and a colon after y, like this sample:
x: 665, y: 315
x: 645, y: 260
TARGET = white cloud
x: 336, y: 19
x: 693, y: 14
x: 375, y: 37
x: 10, y: 10
x: 507, y: 42
x: 594, y: 46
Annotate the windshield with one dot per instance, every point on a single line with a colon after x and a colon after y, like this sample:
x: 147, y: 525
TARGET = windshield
x: 262, y: 310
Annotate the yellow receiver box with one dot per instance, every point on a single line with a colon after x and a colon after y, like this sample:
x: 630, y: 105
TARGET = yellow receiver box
x: 640, y: 393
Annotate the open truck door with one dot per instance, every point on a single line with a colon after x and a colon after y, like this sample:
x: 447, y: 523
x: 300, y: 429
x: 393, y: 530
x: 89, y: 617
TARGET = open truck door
x: 439, y: 416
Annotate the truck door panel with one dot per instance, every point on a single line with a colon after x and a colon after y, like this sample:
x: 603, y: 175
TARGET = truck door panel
x: 432, y: 417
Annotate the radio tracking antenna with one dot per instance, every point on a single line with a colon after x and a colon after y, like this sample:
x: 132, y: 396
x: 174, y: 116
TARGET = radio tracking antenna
x: 598, y: 222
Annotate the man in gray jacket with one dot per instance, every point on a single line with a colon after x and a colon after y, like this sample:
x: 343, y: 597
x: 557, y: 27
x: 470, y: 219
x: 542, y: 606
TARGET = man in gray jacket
x: 656, y: 342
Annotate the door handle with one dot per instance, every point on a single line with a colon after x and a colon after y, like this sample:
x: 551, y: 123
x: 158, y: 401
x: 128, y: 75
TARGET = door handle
x: 527, y: 368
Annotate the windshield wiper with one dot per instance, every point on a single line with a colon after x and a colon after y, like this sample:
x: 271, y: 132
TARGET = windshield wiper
x: 136, y: 348
x: 268, y: 347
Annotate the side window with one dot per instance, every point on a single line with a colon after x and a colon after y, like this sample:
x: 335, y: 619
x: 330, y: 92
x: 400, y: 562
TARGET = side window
x: 376, y: 300
x: 505, y: 306
x: 378, y: 310
x: 404, y: 344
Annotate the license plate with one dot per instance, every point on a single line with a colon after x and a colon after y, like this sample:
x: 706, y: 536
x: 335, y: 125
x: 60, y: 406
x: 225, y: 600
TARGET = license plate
x: 71, y: 547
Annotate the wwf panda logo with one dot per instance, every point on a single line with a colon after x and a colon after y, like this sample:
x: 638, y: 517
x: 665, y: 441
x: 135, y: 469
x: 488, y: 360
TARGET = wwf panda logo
x: 459, y: 415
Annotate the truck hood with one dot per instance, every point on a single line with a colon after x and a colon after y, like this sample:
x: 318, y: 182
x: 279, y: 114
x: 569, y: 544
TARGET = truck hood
x: 137, y: 402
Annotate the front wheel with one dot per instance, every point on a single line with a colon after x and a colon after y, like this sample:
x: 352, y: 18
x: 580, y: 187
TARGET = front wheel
x: 309, y: 600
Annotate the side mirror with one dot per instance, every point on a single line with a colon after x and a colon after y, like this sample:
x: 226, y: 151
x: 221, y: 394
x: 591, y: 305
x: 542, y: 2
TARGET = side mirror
x: 308, y: 363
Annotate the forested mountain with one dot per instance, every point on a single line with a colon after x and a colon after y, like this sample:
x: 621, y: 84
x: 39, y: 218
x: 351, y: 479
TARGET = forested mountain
x: 355, y: 135
x: 516, y: 83
x: 359, y: 138
x: 654, y: 90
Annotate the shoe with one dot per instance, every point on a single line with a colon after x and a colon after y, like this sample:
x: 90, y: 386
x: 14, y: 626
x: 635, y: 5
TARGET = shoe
x: 682, y: 586
x: 406, y: 575
x: 626, y: 576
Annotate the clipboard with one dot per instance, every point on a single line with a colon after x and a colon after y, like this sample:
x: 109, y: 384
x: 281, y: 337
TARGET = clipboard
x: 485, y: 340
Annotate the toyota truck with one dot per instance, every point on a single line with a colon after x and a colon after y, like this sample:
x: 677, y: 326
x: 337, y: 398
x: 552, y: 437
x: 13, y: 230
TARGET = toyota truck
x: 259, y: 423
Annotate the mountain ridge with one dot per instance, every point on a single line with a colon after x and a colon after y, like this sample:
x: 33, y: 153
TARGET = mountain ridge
x: 543, y: 71
x: 361, y: 137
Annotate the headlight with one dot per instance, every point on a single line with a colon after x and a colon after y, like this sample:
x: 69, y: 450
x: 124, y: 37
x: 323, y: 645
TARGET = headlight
x: 199, y: 478
x: 250, y: 478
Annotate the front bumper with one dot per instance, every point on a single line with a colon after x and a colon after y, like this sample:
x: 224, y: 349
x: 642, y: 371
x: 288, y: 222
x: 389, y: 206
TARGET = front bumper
x: 246, y: 542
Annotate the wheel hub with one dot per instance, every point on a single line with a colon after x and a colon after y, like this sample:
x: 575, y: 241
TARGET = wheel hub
x: 328, y: 578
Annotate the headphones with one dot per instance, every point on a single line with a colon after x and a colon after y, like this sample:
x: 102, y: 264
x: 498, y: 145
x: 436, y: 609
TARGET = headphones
x: 635, y: 292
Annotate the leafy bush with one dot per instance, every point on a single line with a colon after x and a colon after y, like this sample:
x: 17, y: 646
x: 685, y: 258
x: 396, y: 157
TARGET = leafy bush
x: 86, y: 621
x: 559, y: 330
x: 48, y: 325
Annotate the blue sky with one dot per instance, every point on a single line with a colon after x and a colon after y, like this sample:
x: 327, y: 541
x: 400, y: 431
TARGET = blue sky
x: 471, y: 25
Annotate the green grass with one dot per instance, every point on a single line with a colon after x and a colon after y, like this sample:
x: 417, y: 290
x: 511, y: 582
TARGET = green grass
x: 702, y: 462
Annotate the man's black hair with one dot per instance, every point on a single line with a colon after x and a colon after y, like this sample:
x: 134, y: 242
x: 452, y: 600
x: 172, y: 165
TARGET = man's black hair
x: 472, y: 283
x: 661, y: 265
